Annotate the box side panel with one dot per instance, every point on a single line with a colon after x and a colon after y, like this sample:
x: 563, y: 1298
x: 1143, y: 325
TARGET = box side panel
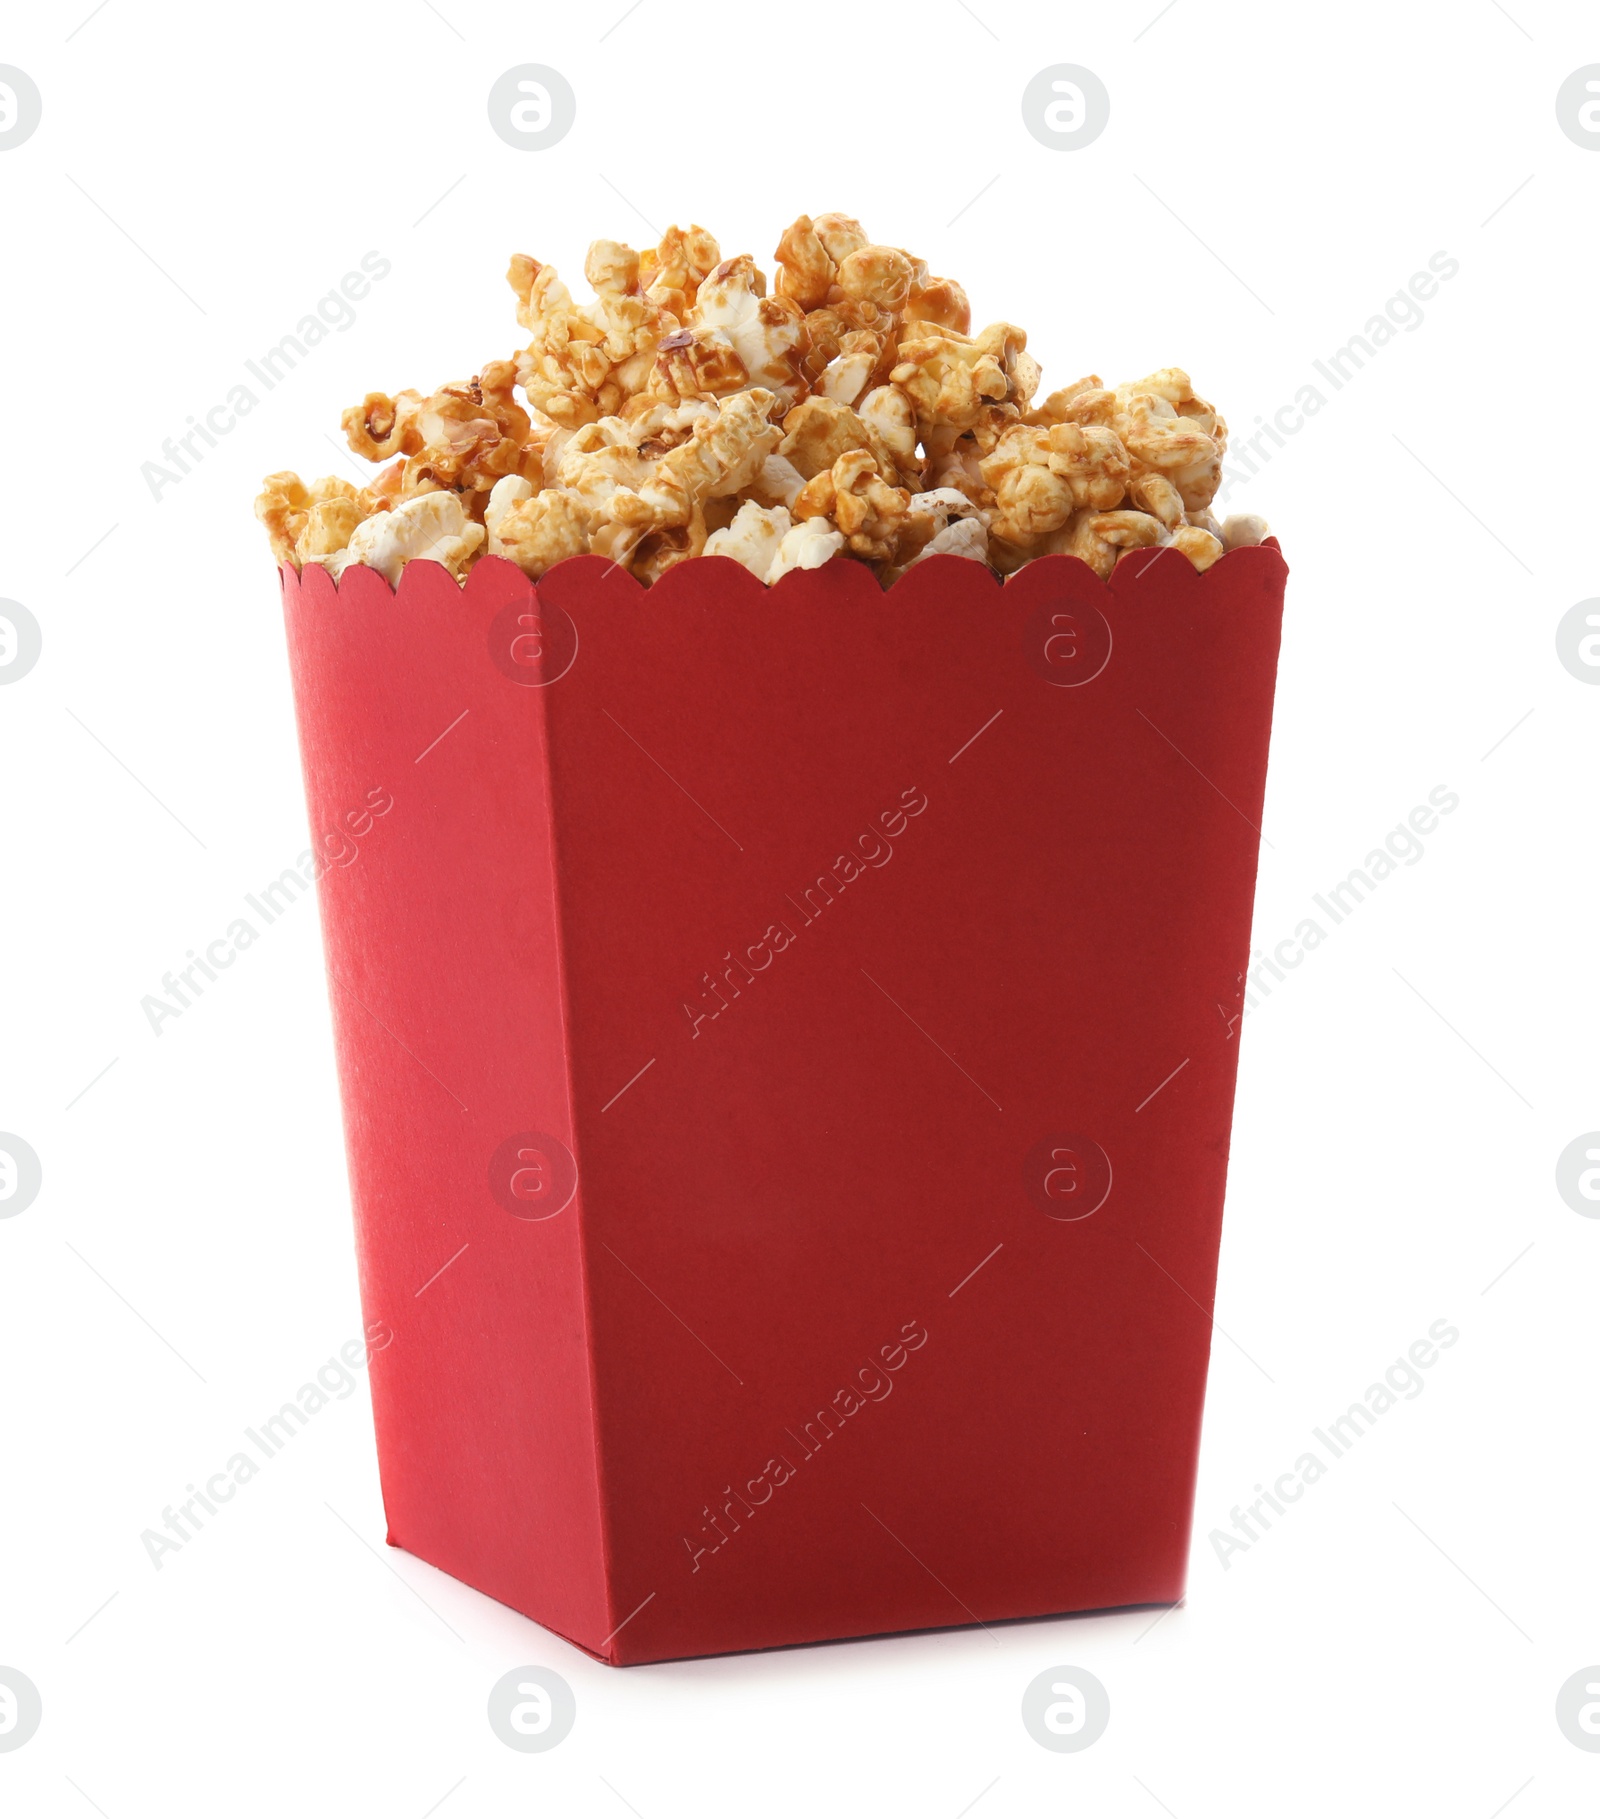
x: 427, y: 791
x: 904, y: 940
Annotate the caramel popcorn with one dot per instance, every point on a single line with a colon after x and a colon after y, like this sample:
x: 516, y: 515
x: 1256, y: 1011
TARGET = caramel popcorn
x: 431, y: 525
x: 687, y: 409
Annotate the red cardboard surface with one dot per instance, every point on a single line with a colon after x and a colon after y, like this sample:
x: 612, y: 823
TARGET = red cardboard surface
x: 787, y: 1040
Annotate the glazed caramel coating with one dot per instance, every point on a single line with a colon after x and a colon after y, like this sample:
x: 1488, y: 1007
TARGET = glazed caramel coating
x: 689, y: 408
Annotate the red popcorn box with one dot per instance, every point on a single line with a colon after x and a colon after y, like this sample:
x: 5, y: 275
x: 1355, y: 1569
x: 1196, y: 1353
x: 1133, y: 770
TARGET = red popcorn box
x: 787, y: 1042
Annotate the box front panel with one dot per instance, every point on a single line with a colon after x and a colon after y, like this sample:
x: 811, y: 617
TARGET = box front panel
x: 903, y: 940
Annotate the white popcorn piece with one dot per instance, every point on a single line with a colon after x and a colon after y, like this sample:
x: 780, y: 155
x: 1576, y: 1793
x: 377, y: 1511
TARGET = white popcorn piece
x: 952, y: 524
x: 808, y: 545
x: 335, y: 563
x: 960, y: 537
x: 763, y: 332
x: 753, y: 537
x: 502, y: 496
x: 1198, y: 545
x: 778, y: 483
x: 942, y: 504
x: 432, y: 527
x: 845, y: 377
x: 1245, y: 529
x: 889, y: 417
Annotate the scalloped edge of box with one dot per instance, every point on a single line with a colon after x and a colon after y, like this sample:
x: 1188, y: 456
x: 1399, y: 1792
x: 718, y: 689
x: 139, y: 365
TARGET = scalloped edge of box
x: 1130, y: 579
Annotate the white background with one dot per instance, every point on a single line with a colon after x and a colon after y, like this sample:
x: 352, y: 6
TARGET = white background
x: 1269, y: 178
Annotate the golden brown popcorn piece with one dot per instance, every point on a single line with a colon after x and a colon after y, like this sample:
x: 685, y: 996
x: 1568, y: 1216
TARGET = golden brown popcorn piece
x: 1032, y: 496
x: 659, y: 550
x: 1093, y: 404
x: 1041, y: 476
x: 724, y: 453
x: 611, y: 265
x: 672, y: 272
x: 805, y: 267
x: 947, y: 379
x: 722, y: 456
x: 566, y: 384
x: 329, y: 525
x: 1173, y: 385
x: 1101, y: 537
x: 842, y: 235
x: 818, y: 432
x: 991, y: 424
x: 282, y: 505
x: 696, y: 363
x: 461, y: 438
x: 1031, y: 502
x: 809, y: 255
x: 585, y: 360
x: 866, y: 509
x: 879, y: 275
x: 385, y: 486
x: 1154, y: 493
x: 827, y: 329
x: 307, y: 522
x: 941, y: 302
x: 631, y: 323
x: 961, y: 467
x: 1167, y: 428
x: 380, y: 426
x: 542, y: 530
x: 1126, y: 530
x: 1008, y: 344
x: 475, y: 434
x: 539, y: 290
x: 597, y: 461
x: 1066, y: 406
x: 1159, y: 438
